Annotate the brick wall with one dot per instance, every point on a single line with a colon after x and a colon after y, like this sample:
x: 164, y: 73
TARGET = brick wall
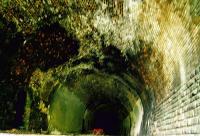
x: 179, y: 112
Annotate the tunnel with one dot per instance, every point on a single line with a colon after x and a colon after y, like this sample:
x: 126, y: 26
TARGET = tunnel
x: 107, y: 108
x: 100, y: 67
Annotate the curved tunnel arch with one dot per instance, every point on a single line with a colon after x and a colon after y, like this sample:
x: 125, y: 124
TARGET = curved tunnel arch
x: 114, y: 107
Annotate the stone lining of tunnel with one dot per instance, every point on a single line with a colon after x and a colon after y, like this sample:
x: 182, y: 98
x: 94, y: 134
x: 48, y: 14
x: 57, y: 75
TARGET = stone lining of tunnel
x: 179, y: 112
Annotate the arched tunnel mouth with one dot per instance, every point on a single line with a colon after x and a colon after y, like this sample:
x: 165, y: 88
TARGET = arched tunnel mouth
x: 107, y: 107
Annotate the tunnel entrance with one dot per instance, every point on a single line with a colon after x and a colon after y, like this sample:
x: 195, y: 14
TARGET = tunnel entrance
x: 107, y: 106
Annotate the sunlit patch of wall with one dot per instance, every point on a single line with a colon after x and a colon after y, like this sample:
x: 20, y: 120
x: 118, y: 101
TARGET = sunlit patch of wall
x: 167, y: 25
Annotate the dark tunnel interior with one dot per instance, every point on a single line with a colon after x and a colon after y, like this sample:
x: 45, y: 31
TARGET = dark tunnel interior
x: 107, y: 121
x: 109, y: 118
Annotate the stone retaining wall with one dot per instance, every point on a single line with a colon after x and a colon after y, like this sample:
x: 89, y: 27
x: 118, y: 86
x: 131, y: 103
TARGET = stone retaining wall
x: 179, y: 112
